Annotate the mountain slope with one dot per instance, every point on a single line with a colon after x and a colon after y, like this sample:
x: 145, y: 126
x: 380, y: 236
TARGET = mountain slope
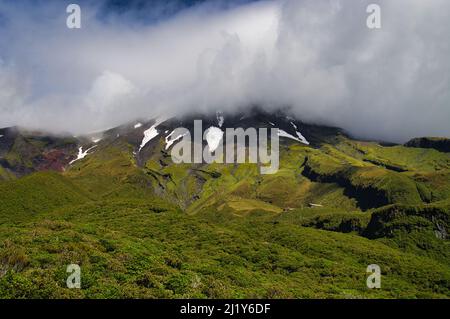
x: 134, y: 249
x: 38, y: 193
x: 140, y: 225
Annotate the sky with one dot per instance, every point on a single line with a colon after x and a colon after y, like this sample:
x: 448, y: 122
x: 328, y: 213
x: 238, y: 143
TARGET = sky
x: 140, y: 59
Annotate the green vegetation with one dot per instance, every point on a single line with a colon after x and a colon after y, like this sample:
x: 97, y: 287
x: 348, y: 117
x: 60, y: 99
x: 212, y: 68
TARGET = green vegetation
x: 37, y: 193
x: 141, y: 249
x: 423, y: 230
x: 439, y: 143
x: 152, y: 229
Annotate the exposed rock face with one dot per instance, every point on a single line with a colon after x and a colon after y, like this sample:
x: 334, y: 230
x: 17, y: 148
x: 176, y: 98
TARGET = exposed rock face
x: 22, y: 152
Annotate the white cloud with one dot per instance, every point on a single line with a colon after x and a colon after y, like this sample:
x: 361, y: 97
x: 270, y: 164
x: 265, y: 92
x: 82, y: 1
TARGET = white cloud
x: 108, y: 89
x: 316, y: 56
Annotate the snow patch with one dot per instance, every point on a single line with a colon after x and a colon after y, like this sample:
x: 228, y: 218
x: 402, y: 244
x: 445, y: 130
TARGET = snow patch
x: 300, y: 136
x: 1, y: 135
x: 138, y: 125
x: 170, y: 141
x: 82, y: 154
x: 213, y: 136
x: 220, y: 119
x: 96, y: 140
x: 282, y: 133
x: 151, y: 133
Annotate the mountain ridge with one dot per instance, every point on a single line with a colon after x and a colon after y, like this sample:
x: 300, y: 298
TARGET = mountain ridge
x: 60, y: 150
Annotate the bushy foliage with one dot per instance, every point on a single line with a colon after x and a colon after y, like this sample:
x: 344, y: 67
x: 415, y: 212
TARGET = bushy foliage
x: 159, y: 230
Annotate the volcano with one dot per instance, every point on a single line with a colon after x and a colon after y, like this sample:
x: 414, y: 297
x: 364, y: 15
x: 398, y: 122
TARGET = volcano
x: 116, y: 199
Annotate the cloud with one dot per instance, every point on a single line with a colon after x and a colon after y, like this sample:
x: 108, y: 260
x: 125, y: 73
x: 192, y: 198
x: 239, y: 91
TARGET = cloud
x: 318, y: 57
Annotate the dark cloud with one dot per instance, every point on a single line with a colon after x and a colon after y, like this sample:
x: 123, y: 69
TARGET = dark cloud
x: 154, y: 11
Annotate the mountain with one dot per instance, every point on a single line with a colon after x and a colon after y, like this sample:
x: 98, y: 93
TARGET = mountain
x: 140, y: 225
x: 438, y: 143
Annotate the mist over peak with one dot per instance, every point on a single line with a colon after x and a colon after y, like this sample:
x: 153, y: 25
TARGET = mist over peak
x: 316, y: 57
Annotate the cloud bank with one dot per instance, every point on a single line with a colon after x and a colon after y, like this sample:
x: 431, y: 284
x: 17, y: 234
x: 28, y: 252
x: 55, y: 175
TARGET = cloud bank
x: 317, y: 57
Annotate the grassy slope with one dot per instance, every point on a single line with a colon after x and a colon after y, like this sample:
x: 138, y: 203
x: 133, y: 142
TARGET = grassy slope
x: 245, y: 235
x: 110, y: 172
x: 422, y: 230
x: 37, y: 193
x: 140, y: 249
x: 429, y: 168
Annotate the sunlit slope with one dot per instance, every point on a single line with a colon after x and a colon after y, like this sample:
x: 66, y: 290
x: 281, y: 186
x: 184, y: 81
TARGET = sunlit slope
x: 340, y: 174
x: 36, y: 194
x: 141, y: 226
x: 140, y: 249
x: 110, y: 171
x: 422, y: 229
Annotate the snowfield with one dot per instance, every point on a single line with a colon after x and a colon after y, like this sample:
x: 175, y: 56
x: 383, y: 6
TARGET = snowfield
x: 151, y: 133
x: 300, y: 136
x: 213, y: 137
x: 170, y: 140
x: 82, y: 154
x: 282, y: 133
